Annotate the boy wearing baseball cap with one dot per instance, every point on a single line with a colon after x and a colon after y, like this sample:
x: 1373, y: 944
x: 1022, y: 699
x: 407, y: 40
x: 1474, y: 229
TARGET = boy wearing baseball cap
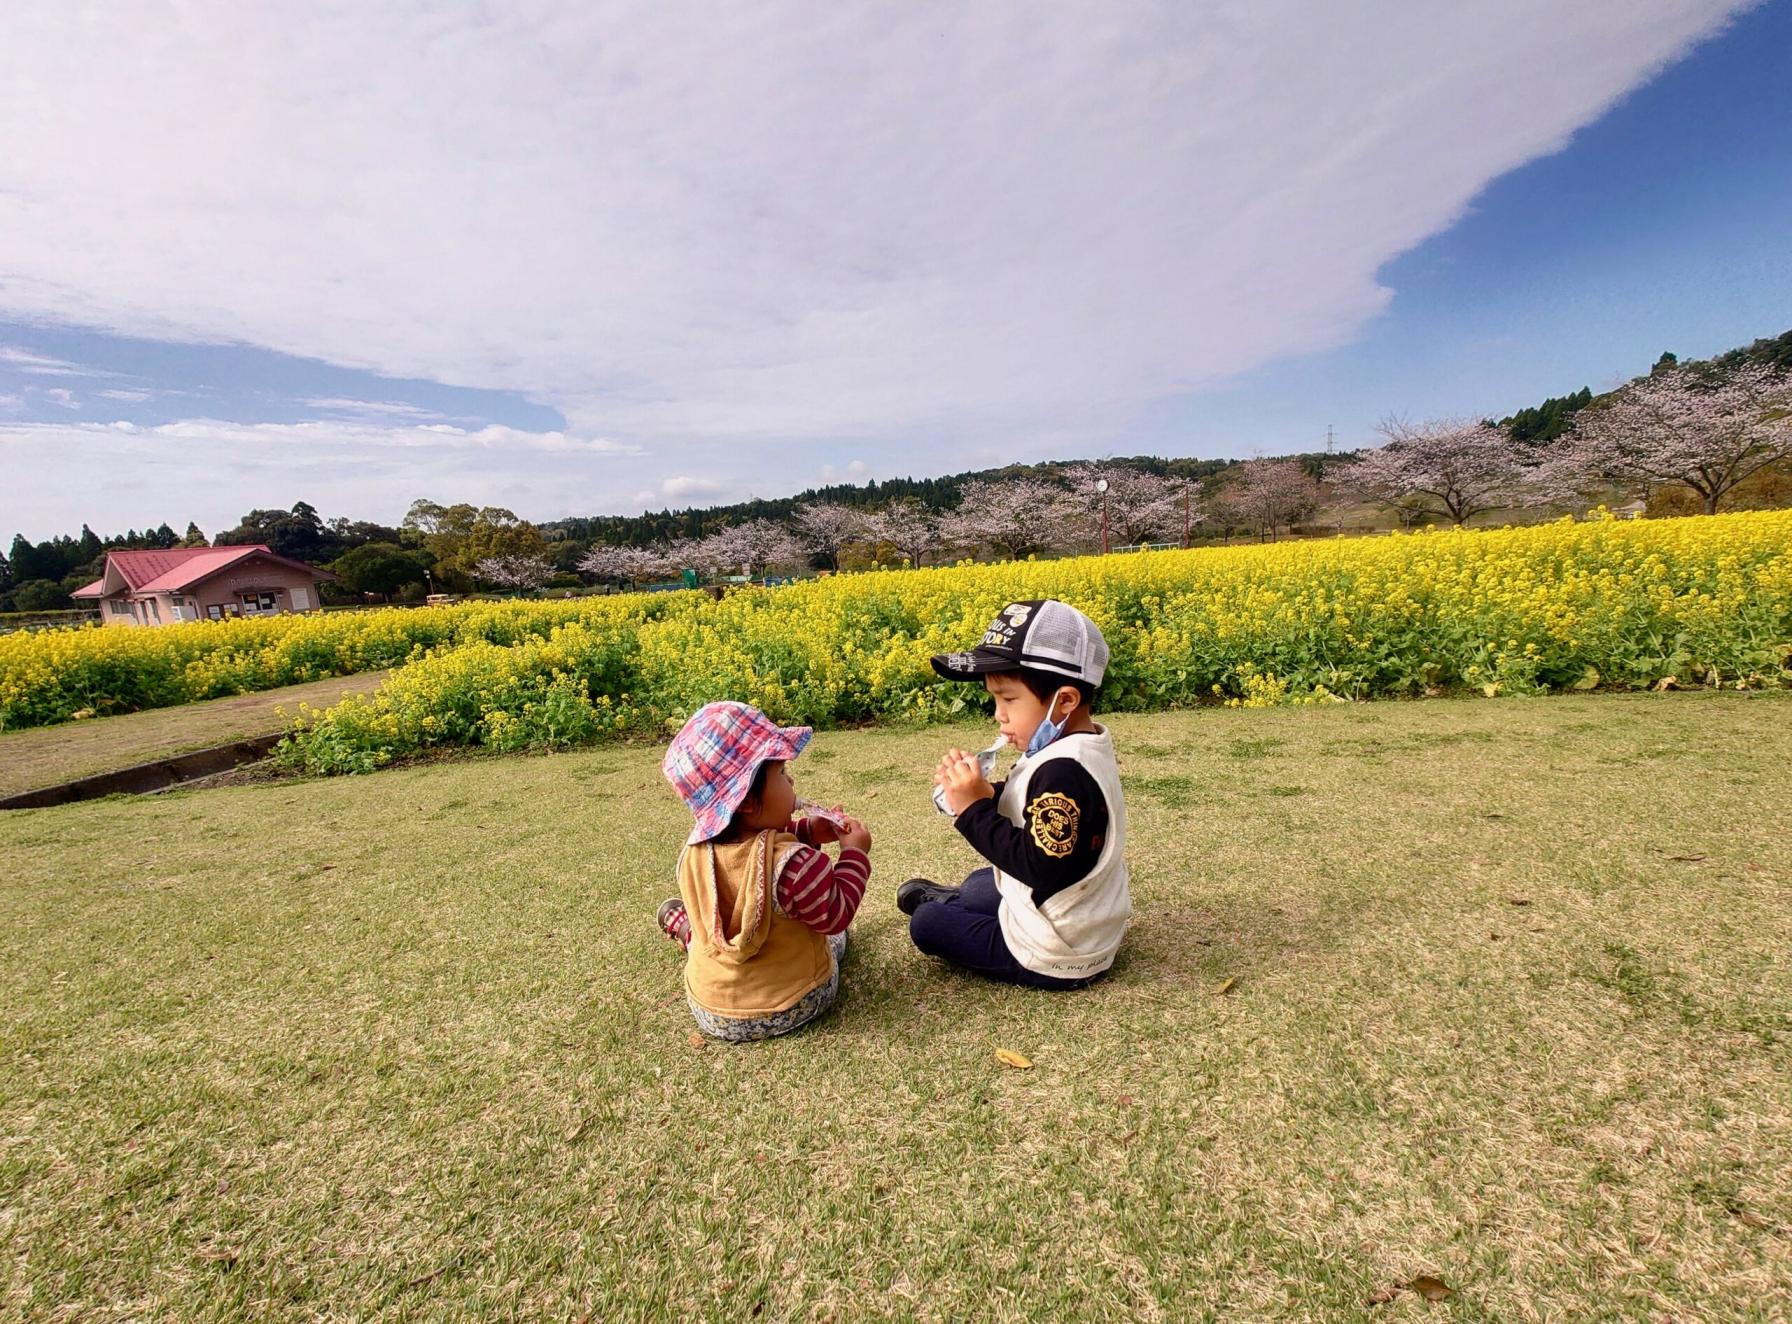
x: 1051, y: 905
x: 761, y: 912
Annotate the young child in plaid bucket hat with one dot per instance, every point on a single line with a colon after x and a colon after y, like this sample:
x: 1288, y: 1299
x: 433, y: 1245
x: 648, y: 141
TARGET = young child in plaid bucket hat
x: 761, y: 912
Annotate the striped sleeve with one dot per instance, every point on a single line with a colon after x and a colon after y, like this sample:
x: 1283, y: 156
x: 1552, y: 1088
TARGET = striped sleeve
x: 823, y: 895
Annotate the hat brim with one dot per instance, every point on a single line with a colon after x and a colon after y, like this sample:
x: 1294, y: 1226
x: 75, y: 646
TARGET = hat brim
x: 969, y: 666
x: 786, y: 745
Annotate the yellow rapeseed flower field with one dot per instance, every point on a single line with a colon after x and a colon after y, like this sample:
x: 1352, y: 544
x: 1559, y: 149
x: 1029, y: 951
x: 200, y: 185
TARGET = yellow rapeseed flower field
x: 1569, y: 605
x: 53, y: 675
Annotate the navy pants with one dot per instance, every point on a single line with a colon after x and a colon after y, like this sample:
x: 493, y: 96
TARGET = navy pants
x: 964, y: 930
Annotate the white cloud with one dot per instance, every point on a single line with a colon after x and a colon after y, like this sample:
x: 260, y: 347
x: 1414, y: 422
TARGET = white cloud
x: 1004, y: 229
x: 111, y: 474
x: 371, y: 408
x: 133, y: 396
x: 64, y: 398
x: 41, y: 365
x: 683, y: 487
x: 742, y: 239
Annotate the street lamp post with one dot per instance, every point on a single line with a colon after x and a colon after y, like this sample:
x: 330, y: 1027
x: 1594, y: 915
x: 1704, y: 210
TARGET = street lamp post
x: 1101, y: 486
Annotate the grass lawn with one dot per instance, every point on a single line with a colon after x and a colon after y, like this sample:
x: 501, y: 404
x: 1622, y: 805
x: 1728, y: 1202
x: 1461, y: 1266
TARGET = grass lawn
x: 1511, y: 1009
x: 49, y: 755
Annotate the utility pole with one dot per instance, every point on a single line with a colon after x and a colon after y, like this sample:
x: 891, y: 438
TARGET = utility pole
x: 1101, y: 486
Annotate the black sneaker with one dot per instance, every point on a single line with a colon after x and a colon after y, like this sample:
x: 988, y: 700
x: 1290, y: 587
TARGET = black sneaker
x: 917, y: 892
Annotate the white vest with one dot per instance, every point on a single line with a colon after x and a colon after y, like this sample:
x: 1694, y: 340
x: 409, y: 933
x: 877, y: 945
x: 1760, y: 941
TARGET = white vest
x: 1076, y: 932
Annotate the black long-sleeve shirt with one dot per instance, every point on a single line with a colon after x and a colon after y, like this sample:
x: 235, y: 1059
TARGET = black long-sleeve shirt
x: 1059, y: 840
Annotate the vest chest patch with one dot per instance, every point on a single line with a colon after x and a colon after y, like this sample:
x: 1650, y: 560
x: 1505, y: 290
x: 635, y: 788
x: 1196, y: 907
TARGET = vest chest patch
x: 1053, y: 818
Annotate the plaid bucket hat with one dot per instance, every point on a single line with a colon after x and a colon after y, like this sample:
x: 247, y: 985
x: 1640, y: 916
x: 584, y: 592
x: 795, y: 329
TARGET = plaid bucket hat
x: 712, y: 760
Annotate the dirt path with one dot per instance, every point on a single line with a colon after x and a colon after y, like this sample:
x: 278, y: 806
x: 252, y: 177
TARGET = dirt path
x: 45, y: 756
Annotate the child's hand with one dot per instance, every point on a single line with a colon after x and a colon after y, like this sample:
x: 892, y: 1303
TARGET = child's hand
x: 822, y: 830
x: 962, y: 777
x: 855, y: 836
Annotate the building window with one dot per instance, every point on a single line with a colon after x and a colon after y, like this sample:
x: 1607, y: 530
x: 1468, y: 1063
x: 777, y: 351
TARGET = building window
x: 257, y: 602
x: 121, y: 609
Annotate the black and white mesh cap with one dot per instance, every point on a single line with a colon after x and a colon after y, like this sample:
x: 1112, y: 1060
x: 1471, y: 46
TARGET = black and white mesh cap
x: 1043, y: 635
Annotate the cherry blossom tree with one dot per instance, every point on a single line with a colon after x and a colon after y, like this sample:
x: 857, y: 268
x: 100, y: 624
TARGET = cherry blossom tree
x: 1677, y: 427
x: 628, y: 565
x: 1450, y: 468
x: 523, y: 573
x: 1189, y: 496
x: 1270, y: 494
x: 909, y: 527
x: 1141, y: 506
x: 750, y: 549
x: 1016, y: 517
x: 1453, y: 467
x: 828, y: 529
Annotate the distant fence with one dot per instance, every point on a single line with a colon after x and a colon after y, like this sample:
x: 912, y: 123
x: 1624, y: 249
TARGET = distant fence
x: 44, y: 620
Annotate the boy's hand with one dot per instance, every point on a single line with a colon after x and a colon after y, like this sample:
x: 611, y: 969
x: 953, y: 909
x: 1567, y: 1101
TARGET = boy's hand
x: 963, y: 779
x: 855, y: 836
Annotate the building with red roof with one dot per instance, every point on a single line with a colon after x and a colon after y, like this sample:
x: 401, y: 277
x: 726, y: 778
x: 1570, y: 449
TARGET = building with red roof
x: 162, y: 585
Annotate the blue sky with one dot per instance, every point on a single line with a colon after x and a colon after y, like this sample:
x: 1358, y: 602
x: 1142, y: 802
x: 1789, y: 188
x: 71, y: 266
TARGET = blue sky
x: 1654, y: 229
x: 347, y: 288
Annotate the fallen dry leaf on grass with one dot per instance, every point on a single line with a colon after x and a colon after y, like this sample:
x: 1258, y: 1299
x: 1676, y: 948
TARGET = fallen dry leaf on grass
x: 1432, y: 1289
x: 1009, y: 1058
x: 1226, y: 986
x: 695, y: 1040
x: 1518, y: 901
x: 1687, y: 859
x: 1386, y: 1294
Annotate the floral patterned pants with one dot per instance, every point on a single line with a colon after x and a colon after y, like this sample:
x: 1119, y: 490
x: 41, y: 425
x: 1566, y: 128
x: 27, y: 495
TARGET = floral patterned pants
x: 745, y: 1029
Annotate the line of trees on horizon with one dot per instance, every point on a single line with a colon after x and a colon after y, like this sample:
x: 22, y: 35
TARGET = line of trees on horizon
x: 1685, y: 437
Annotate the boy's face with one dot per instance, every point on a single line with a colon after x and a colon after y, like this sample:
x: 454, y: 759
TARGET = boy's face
x: 1019, y: 711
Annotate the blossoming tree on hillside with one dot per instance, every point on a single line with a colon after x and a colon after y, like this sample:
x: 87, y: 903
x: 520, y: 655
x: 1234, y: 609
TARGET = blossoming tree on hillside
x: 523, y: 573
x: 1454, y: 467
x: 628, y: 565
x: 1677, y: 427
x: 1016, y: 517
x: 751, y: 549
x: 827, y: 529
x: 1141, y: 506
x: 909, y: 527
x: 1270, y: 494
